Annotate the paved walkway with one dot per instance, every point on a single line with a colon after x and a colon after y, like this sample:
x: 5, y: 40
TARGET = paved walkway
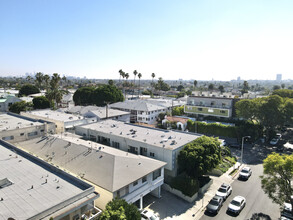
x: 172, y: 207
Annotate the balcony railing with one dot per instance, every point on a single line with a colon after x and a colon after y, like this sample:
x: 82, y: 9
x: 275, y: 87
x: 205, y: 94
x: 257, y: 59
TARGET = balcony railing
x: 208, y: 106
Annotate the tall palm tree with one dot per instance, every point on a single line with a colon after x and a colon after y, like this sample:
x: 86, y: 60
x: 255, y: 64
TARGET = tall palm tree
x: 120, y: 73
x: 54, y: 93
x: 134, y: 73
x: 139, y: 76
x: 126, y: 76
x: 153, y: 76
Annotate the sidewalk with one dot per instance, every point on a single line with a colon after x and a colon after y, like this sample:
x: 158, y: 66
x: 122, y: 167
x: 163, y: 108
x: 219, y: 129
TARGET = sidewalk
x: 171, y: 207
x: 199, y: 208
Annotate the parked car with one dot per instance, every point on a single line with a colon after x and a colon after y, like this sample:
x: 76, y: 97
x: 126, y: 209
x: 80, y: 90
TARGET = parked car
x: 146, y: 214
x: 215, y: 204
x: 245, y: 173
x: 224, y: 191
x: 286, y: 212
x: 237, y: 204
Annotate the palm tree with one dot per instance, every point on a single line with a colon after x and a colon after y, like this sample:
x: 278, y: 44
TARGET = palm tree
x: 54, y: 93
x: 121, y: 74
x: 139, y: 76
x: 153, y: 76
x: 47, y: 81
x: 134, y: 73
x: 126, y: 76
x: 39, y: 80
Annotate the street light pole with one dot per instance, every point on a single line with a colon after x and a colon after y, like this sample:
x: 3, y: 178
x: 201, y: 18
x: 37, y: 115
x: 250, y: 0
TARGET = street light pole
x: 242, y: 148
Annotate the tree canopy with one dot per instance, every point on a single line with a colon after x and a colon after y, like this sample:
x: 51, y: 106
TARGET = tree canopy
x: 28, y: 89
x: 161, y: 85
x: 278, y: 176
x: 285, y: 93
x: 41, y: 102
x: 271, y: 112
x: 200, y: 156
x: 119, y: 209
x: 18, y: 107
x: 99, y: 96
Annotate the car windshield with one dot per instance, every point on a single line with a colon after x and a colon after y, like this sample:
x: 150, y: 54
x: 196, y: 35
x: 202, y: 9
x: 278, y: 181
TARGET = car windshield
x: 244, y: 171
x: 223, y: 190
x: 236, y: 203
x: 214, y: 202
x: 274, y: 140
x: 153, y: 217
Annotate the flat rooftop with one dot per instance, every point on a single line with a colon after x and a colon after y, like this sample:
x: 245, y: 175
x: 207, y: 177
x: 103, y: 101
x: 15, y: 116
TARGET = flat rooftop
x: 101, y: 165
x: 56, y: 115
x: 157, y: 137
x: 101, y: 112
x: 10, y: 122
x: 28, y: 187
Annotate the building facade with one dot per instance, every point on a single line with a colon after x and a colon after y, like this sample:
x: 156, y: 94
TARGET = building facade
x: 209, y: 106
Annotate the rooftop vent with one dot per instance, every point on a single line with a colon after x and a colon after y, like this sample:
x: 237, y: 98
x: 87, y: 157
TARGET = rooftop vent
x: 5, y: 182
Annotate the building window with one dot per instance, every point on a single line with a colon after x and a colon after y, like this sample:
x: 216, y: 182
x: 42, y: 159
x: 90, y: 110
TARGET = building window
x: 199, y: 109
x: 212, y: 103
x: 135, y: 183
x: 156, y: 174
x: 152, y: 154
x: 132, y: 150
x: 115, y: 144
x: 223, y: 104
x: 8, y: 138
x: 223, y: 111
x: 42, y: 130
x: 21, y: 134
x: 10, y: 104
x: 144, y: 179
x: 32, y: 133
x: 118, y: 194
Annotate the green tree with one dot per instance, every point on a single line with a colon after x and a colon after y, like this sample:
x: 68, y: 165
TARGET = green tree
x: 18, y: 107
x: 195, y: 83
x: 211, y: 87
x: 28, y: 90
x: 277, y: 178
x: 283, y: 86
x: 134, y: 73
x: 39, y: 80
x: 245, y: 87
x: 288, y: 111
x: 161, y: 85
x: 247, y: 109
x: 120, y: 74
x: 221, y: 88
x: 200, y: 156
x: 41, y: 102
x: 107, y: 94
x: 179, y: 110
x: 276, y: 87
x: 55, y: 94
x: 284, y: 93
x: 111, y: 82
x: 119, y: 209
x: 180, y: 88
x: 47, y: 82
x: 84, y: 96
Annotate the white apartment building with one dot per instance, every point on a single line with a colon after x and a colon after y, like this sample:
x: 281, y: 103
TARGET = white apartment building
x: 6, y: 101
x: 63, y: 121
x: 159, y: 144
x: 33, y: 189
x: 100, y: 113
x: 14, y: 127
x: 114, y: 173
x: 145, y: 111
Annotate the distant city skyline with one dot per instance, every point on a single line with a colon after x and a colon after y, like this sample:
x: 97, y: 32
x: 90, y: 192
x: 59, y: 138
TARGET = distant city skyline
x: 203, y: 40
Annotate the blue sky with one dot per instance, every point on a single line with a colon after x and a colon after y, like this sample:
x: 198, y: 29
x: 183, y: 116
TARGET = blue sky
x: 204, y: 40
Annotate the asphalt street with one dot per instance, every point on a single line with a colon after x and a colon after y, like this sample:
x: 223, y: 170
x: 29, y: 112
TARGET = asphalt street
x: 256, y: 200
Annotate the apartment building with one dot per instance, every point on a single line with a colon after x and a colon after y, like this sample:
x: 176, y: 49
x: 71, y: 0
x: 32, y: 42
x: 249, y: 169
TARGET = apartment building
x: 14, y: 127
x: 210, y: 106
x: 100, y: 113
x: 145, y: 111
x: 114, y: 173
x: 159, y: 144
x: 6, y: 101
x: 33, y: 189
x: 63, y: 121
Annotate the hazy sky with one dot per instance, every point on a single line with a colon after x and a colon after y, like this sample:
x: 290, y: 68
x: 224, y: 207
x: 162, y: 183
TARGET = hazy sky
x: 193, y: 39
